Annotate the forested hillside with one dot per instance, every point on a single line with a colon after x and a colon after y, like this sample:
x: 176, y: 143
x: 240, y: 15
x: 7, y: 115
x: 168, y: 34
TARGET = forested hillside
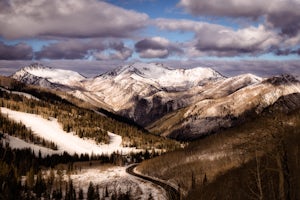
x: 255, y: 160
x: 83, y: 122
x: 25, y: 175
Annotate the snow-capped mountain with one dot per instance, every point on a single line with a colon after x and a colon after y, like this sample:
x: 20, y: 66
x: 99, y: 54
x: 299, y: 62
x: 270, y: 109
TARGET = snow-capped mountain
x: 213, y: 114
x: 162, y: 77
x: 37, y: 74
x: 140, y: 90
x: 172, y: 102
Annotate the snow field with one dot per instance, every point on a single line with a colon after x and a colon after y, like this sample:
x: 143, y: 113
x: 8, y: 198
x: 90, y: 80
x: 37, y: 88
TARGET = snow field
x: 51, y: 130
x: 116, y: 179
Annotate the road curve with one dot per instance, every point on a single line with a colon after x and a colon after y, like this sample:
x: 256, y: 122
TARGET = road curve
x: 171, y: 192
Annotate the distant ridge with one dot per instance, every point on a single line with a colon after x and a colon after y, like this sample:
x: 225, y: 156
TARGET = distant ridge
x: 178, y: 103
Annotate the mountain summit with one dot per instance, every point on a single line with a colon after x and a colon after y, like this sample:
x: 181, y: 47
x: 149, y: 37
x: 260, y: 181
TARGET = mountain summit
x: 162, y: 77
x: 38, y: 74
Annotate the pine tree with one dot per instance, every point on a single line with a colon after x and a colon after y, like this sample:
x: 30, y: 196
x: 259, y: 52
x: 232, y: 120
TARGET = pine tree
x: 97, y: 195
x: 150, y: 197
x: 80, y: 194
x: 193, y: 180
x: 91, y: 192
x: 204, y: 182
x: 51, y: 178
x: 70, y: 191
x: 30, y: 178
x: 40, y: 185
x: 106, y: 191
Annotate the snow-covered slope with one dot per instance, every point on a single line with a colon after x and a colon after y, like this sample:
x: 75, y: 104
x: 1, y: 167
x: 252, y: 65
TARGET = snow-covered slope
x: 38, y: 74
x: 162, y: 77
x: 145, y: 92
x: 120, y: 88
x: 51, y: 130
x: 212, y: 114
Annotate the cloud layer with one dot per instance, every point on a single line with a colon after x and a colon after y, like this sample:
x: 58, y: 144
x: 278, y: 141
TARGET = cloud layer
x: 68, y: 18
x: 96, y: 31
x: 227, y: 68
x: 283, y: 14
x: 20, y: 51
x: 83, y: 49
x: 156, y: 47
x: 218, y: 40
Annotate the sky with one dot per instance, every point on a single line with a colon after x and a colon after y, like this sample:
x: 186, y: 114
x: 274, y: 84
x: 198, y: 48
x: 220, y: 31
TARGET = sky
x: 94, y: 36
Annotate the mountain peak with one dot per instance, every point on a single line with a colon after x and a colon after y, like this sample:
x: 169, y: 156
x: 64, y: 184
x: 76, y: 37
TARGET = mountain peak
x: 137, y: 68
x: 161, y: 76
x: 37, y: 71
x: 35, y: 66
x: 159, y: 70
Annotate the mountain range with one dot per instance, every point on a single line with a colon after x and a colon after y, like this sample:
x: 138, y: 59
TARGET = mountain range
x: 184, y: 104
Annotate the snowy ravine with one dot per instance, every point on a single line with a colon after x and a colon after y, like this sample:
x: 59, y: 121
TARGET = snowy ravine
x: 51, y: 130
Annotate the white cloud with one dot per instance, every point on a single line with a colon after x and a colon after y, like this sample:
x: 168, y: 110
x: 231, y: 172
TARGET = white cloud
x: 68, y: 18
x: 217, y: 40
x: 283, y: 14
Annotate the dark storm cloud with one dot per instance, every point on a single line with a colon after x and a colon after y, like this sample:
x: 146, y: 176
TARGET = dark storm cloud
x: 68, y: 18
x: 283, y: 14
x: 20, y: 51
x: 156, y: 47
x: 80, y: 49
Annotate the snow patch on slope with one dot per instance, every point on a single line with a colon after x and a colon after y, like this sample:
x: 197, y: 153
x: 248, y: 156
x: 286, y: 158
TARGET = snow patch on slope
x: 28, y: 96
x: 51, y: 130
x: 16, y: 143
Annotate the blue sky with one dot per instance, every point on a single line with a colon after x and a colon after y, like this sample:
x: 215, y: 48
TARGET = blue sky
x: 93, y: 36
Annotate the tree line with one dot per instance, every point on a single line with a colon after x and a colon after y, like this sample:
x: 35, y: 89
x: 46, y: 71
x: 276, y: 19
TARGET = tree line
x: 85, y: 123
x: 18, y: 163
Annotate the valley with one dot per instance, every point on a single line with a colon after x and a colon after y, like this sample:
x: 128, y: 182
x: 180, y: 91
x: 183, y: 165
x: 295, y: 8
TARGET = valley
x: 149, y: 100
x: 192, y: 129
